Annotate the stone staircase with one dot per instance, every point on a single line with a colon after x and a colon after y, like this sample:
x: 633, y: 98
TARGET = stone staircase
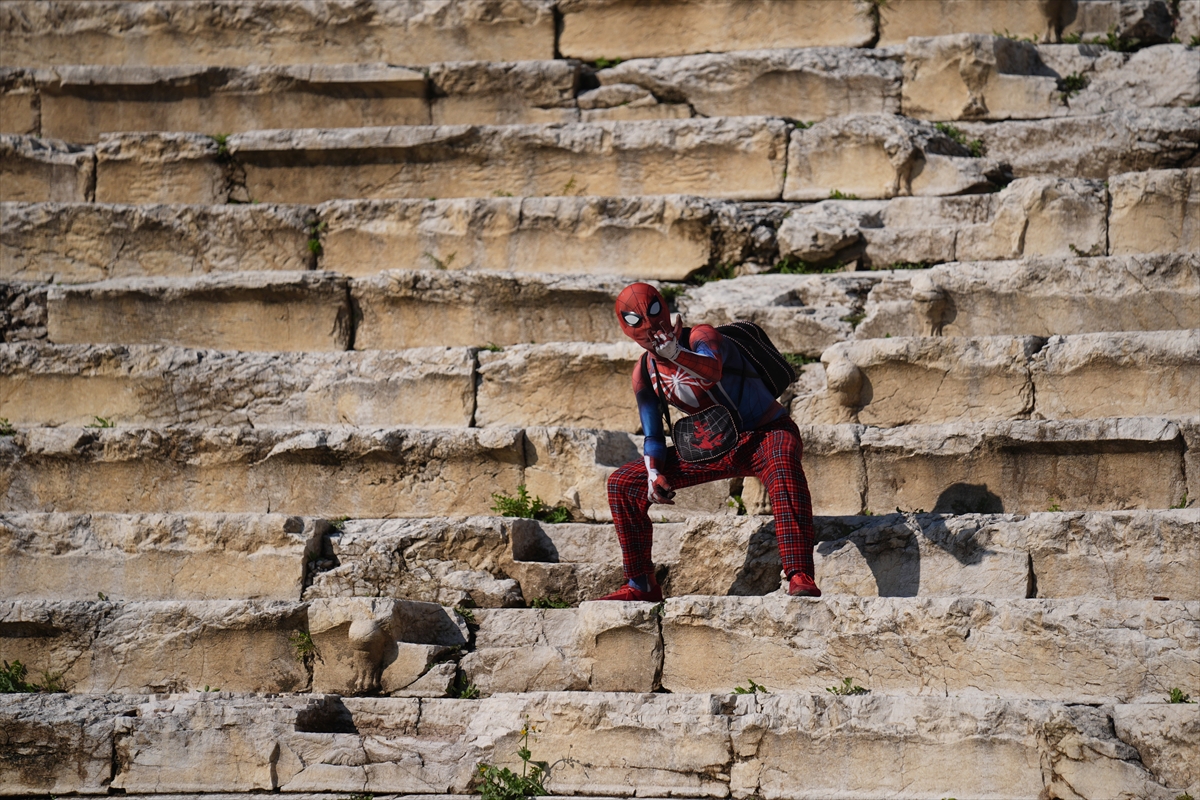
x: 292, y: 288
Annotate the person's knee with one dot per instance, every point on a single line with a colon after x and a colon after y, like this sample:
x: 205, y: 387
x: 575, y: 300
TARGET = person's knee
x: 626, y: 479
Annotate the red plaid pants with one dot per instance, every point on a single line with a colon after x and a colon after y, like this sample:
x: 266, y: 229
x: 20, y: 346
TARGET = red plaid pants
x: 771, y: 453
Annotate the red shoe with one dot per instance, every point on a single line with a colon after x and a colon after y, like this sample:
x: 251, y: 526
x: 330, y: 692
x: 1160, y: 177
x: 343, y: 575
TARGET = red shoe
x: 632, y: 594
x: 803, y: 586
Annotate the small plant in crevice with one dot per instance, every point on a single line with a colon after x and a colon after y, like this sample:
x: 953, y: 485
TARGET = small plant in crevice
x: 462, y: 689
x: 753, y: 688
x: 838, y: 194
x: 606, y: 63
x: 1054, y: 506
x: 660, y: 609
x: 12, y: 680
x: 6, y: 428
x: 1177, y: 695
x: 101, y: 596
x: 529, y: 508
x: 718, y: 272
x: 468, y: 617
x: 208, y: 688
x: 854, y: 319
x: 502, y: 783
x: 1071, y: 85
x: 1016, y: 37
x: 847, y: 688
x: 100, y: 422
x: 339, y: 523
x: 1185, y: 795
x: 797, y: 360
x: 568, y: 187
x: 491, y: 347
x: 439, y: 263
x: 1183, y: 501
x: 672, y: 292
x: 910, y: 265
x: 549, y: 602
x: 222, y: 140
x: 315, y: 229
x: 735, y: 501
x: 304, y: 648
x: 796, y: 266
x: 975, y: 147
x: 1194, y: 42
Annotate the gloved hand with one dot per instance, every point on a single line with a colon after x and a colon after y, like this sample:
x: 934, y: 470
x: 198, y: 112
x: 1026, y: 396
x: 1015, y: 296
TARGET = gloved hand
x: 666, y: 346
x: 660, y: 490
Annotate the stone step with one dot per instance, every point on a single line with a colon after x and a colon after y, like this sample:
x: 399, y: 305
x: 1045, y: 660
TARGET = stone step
x: 157, y: 556
x: 237, y: 33
x: 613, y: 744
x: 53, y: 385
x: 237, y: 311
x: 928, y: 380
x: 1029, y: 297
x: 665, y: 238
x: 1013, y: 466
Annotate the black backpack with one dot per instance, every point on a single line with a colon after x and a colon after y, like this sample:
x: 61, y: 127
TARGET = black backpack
x: 758, y: 349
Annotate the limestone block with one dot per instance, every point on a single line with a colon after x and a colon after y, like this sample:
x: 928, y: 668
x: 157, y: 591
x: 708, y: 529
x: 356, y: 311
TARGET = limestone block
x: 1155, y: 212
x: 1191, y: 436
x: 726, y: 556
x: 594, y: 29
x: 59, y: 743
x: 1147, y: 21
x: 1165, y: 738
x: 736, y: 158
x: 80, y: 103
x: 234, y: 33
x: 364, y: 644
x: 930, y: 380
x: 414, y: 559
x: 160, y: 168
x: 163, y: 646
x: 1128, y: 80
x: 1125, y: 555
x: 834, y: 468
x: 976, y: 76
x: 1096, y: 146
x: 926, y: 555
x: 1188, y: 26
x: 19, y: 101
x: 1041, y: 19
x: 639, y: 237
x: 402, y: 309
x: 801, y: 313
x: 307, y: 311
x: 1040, y: 649
x: 604, y: 647
x: 34, y: 170
x: 811, y: 83
x: 1040, y: 217
x: 559, y: 384
x: 881, y: 156
x: 1025, y: 465
x: 502, y: 93
x: 148, y: 385
x: 385, y: 472
x: 156, y: 556
x: 1114, y: 375
x: 88, y: 242
x: 23, y: 317
x: 1038, y: 297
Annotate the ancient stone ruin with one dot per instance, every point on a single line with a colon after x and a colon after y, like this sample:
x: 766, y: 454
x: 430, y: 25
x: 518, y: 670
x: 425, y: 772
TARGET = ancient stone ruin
x: 293, y: 290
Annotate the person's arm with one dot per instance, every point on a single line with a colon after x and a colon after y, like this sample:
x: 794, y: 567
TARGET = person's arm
x: 703, y: 359
x: 654, y: 446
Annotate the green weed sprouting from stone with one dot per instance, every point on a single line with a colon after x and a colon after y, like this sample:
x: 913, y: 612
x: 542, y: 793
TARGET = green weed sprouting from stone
x: 303, y: 646
x: 6, y: 428
x: 753, y: 688
x: 501, y: 783
x: 463, y: 689
x: 339, y: 523
x: 660, y: 609
x: 1072, y: 38
x: 1072, y: 84
x: 1177, y: 695
x: 101, y: 596
x: 1007, y: 34
x: 1192, y: 43
x: 222, y: 140
x: 360, y: 796
x: 549, y: 602
x: 569, y: 186
x: 671, y: 292
x: 491, y: 347
x: 719, y: 272
x: 1185, y: 795
x: 847, y: 688
x: 100, y: 422
x: 12, y: 680
x: 735, y: 501
x: 315, y: 229
x: 910, y: 265
x: 798, y: 360
x: 795, y: 266
x: 439, y: 263
x: 854, y: 319
x: 1054, y: 506
x: 1115, y: 41
x: 208, y: 688
x: 975, y: 146
x: 523, y: 506
x: 838, y: 194
x: 1183, y: 501
x: 606, y: 63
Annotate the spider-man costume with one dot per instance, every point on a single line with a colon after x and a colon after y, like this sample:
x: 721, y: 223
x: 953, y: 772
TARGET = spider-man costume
x: 695, y: 369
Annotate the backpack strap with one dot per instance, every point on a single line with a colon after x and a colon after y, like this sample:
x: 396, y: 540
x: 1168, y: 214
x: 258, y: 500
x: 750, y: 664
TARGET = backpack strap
x: 663, y: 407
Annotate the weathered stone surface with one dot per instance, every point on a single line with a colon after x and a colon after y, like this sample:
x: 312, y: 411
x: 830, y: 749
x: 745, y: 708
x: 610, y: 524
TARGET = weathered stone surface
x: 160, y: 168
x: 34, y: 170
x: 1148, y: 21
x: 880, y: 156
x: 385, y: 472
x: 1025, y: 465
x: 1096, y: 146
x: 23, y: 311
x: 88, y: 242
x: 603, y: 647
x: 501, y: 93
x: 1036, y: 297
x: 402, y: 309
x: 619, y: 744
x: 594, y: 29
x: 587, y: 385
x: 237, y: 33
x: 19, y: 102
x: 147, y: 647
x: 639, y: 237
x: 156, y: 556
x: 975, y: 76
x: 59, y: 743
x: 241, y: 311
x: 1045, y: 649
x: 423, y: 560
x: 808, y: 84
x: 1040, y: 19
x: 1188, y: 26
x: 736, y: 158
x: 52, y: 385
x: 1165, y: 738
x: 1155, y: 212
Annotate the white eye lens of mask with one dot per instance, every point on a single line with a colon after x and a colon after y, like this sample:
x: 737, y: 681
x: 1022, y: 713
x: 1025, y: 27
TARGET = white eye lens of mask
x: 630, y: 318
x: 654, y: 309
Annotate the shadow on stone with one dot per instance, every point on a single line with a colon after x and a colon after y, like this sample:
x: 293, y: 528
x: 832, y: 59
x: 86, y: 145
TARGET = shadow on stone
x: 968, y: 498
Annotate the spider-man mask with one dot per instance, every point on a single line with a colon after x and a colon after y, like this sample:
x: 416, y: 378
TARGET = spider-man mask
x: 644, y: 317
